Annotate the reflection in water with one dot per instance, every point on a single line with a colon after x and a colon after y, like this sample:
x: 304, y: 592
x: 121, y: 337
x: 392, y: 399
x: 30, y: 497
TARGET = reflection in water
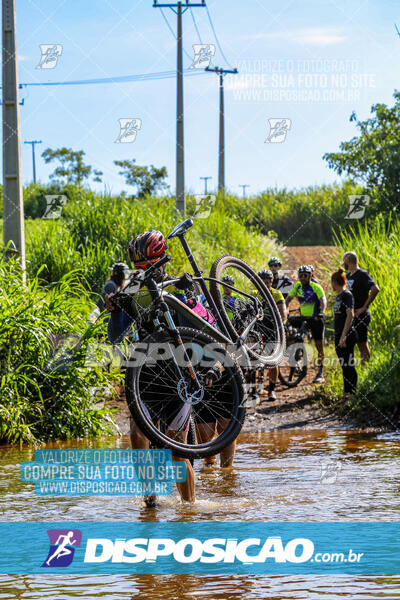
x: 276, y: 477
x: 206, y: 587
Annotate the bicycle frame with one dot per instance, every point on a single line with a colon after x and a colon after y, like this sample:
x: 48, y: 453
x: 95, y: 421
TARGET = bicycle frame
x: 164, y: 301
x: 198, y: 276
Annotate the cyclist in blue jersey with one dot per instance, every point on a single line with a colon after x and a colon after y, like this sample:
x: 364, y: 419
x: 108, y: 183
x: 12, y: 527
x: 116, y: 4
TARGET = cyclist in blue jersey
x: 312, y: 308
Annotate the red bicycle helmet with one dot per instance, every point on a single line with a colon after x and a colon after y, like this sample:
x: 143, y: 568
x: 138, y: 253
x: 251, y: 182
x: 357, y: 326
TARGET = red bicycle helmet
x: 147, y: 248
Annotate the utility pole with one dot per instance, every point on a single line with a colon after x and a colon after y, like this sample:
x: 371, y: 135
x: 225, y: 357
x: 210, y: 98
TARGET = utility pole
x: 181, y: 8
x: 13, y: 206
x: 221, y: 148
x: 244, y: 189
x: 205, y: 184
x: 33, y: 142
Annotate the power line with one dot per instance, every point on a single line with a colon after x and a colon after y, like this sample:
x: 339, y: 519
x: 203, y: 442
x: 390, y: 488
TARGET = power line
x: 118, y: 79
x: 173, y: 32
x: 216, y: 38
x: 195, y: 26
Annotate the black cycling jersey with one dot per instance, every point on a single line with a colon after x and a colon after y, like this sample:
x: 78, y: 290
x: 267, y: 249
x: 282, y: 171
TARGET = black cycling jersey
x: 283, y: 283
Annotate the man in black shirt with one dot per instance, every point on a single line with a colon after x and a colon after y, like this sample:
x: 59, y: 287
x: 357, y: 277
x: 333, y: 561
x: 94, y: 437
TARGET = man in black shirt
x: 364, y: 290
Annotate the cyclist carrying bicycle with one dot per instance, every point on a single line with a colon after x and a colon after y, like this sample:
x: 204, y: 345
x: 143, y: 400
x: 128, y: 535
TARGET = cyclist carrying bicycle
x: 119, y: 324
x: 143, y: 250
x: 268, y: 278
x: 312, y: 308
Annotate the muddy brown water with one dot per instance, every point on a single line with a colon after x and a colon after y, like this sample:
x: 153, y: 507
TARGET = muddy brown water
x: 278, y: 476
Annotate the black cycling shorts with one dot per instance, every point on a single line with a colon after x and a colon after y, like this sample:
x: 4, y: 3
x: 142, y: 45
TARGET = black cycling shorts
x: 361, y: 325
x: 317, y: 327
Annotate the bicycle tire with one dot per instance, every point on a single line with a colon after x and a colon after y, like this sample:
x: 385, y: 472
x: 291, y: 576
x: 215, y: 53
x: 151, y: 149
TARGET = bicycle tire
x: 230, y: 264
x: 148, y: 378
x: 297, y: 366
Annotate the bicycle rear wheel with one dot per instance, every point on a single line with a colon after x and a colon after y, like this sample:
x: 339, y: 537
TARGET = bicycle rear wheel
x: 265, y: 342
x: 163, y: 401
x: 293, y: 367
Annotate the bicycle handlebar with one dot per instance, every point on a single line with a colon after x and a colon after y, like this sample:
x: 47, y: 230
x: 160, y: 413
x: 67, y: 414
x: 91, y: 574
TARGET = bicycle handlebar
x: 149, y: 272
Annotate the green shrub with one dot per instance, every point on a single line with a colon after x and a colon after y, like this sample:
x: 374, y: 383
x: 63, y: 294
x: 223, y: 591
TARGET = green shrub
x: 35, y: 203
x: 376, y: 400
x: 95, y: 230
x: 36, y: 404
x: 299, y: 217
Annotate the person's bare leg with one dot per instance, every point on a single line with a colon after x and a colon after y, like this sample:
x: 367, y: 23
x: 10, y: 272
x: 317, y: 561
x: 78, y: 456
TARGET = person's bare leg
x: 226, y: 455
x: 186, y: 488
x: 364, y: 351
x: 273, y: 375
x: 139, y: 441
x: 272, y: 379
x: 204, y: 433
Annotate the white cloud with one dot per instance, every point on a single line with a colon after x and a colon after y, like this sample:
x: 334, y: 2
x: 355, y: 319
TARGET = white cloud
x: 317, y: 36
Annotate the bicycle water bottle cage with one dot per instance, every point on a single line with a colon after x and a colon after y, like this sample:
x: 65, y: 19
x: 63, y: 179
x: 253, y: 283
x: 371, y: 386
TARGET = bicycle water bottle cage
x: 181, y: 229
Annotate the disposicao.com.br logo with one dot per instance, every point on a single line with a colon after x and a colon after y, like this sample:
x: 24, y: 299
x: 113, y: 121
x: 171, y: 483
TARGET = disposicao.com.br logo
x: 211, y: 551
x: 202, y: 547
x: 61, y: 551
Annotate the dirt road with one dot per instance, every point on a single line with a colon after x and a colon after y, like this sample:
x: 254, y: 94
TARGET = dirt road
x: 309, y: 255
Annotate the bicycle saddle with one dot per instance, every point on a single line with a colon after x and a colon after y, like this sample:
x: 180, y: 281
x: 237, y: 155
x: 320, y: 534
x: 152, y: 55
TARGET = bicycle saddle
x: 181, y: 229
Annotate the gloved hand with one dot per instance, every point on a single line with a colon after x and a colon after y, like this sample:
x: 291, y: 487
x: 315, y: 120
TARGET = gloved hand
x: 110, y: 302
x: 119, y: 301
x: 185, y: 282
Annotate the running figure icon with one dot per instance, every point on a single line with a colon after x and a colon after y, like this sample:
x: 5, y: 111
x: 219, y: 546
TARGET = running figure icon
x: 62, y: 547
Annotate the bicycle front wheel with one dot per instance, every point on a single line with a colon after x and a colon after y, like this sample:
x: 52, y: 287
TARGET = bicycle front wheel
x: 265, y: 342
x: 164, y: 399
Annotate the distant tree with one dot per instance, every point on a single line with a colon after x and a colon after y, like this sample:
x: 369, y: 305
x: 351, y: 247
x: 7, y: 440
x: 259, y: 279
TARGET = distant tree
x: 147, y: 180
x: 72, y: 168
x: 373, y: 157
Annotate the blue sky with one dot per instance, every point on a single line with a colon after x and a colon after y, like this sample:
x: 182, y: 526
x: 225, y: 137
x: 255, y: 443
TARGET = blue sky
x: 322, y: 60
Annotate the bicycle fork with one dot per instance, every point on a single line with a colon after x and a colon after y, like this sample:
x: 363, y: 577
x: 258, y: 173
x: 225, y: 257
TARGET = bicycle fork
x: 178, y: 340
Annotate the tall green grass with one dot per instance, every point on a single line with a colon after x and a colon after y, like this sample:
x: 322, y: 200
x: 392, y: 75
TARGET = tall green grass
x: 37, y: 404
x: 307, y: 216
x: 68, y: 261
x: 95, y: 231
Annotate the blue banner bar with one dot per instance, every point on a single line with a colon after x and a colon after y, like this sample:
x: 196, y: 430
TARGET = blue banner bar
x: 201, y: 548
